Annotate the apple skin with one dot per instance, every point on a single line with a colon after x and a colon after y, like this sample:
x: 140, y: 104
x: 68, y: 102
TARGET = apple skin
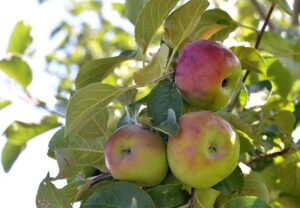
x: 205, y: 151
x: 137, y: 155
x: 207, y: 74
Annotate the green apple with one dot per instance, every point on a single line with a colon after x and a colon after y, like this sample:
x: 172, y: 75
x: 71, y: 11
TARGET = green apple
x: 205, y: 151
x: 206, y: 198
x: 137, y: 155
x: 207, y: 74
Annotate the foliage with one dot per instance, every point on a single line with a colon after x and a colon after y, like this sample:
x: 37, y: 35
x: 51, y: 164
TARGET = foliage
x: 129, y: 78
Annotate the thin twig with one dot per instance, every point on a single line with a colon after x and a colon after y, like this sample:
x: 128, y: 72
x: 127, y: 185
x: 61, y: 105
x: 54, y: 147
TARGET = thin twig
x: 193, y: 198
x: 268, y: 156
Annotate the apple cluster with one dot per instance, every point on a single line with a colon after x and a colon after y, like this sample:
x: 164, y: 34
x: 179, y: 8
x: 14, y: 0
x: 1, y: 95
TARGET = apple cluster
x: 206, y: 149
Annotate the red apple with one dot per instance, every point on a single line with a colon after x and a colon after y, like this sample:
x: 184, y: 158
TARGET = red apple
x: 137, y: 155
x: 205, y: 151
x: 207, y: 74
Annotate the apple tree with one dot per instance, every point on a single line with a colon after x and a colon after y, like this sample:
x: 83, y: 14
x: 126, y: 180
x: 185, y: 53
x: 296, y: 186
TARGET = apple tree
x: 197, y: 107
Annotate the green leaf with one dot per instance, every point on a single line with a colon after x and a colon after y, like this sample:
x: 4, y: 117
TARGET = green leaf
x: 96, y: 70
x: 119, y: 195
x: 56, y: 142
x: 168, y: 195
x: 285, y: 121
x: 163, y: 97
x: 284, y: 5
x: 181, y: 22
x: 49, y: 196
x: 18, y: 133
x: 246, y: 202
x: 20, y: 38
x: 259, y: 93
x: 10, y: 153
x: 212, y: 22
x: 17, y: 69
x: 4, y: 103
x: 80, y: 153
x: 232, y: 184
x: 150, y: 19
x: 250, y: 59
x: 71, y: 190
x: 87, y: 103
x: 169, y: 126
x: 133, y: 9
x: 154, y: 69
x: 281, y: 77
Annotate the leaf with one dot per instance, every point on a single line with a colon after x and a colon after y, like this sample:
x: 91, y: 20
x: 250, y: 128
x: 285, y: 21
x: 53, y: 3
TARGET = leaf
x: 80, y: 153
x: 17, y: 69
x: 4, y: 103
x: 49, y: 196
x: 154, y: 69
x: 150, y: 19
x: 163, y: 97
x: 232, y: 184
x: 56, y: 142
x: 20, y: 38
x: 250, y: 59
x: 181, y: 22
x: 96, y: 70
x: 119, y: 195
x: 297, y: 113
x: 133, y: 9
x: 168, y: 195
x: 259, y: 93
x: 10, y: 153
x: 18, y: 133
x: 87, y: 103
x: 285, y: 121
x: 212, y: 22
x: 169, y: 126
x: 246, y: 202
x: 284, y: 5
x: 71, y: 190
x: 281, y: 77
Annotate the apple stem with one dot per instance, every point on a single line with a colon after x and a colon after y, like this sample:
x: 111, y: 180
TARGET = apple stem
x: 258, y: 40
x: 193, y: 198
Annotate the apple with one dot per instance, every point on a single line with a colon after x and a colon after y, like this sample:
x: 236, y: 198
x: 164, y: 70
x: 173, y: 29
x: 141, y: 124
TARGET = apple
x: 206, y: 197
x: 207, y: 74
x: 137, y: 155
x: 286, y: 201
x: 205, y: 151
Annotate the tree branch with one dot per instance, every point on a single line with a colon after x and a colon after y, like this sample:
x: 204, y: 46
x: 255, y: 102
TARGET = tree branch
x: 268, y: 156
x: 296, y: 8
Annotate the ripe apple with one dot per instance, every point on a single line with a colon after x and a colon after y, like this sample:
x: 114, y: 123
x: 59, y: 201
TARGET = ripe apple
x: 205, y: 151
x: 207, y: 74
x: 137, y: 155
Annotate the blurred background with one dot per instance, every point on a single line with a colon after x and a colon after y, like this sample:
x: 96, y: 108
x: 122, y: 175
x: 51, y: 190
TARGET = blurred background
x: 48, y: 40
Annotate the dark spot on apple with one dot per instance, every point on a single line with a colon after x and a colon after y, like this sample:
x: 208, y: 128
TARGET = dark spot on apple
x: 225, y: 82
x: 126, y: 151
x: 212, y: 149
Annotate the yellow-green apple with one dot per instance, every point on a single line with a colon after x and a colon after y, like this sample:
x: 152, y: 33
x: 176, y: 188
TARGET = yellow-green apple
x: 207, y: 74
x: 206, y: 198
x: 137, y: 155
x: 205, y: 151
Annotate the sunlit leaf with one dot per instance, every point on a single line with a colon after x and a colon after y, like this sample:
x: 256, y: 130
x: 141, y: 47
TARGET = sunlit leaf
x: 49, y: 196
x: 133, y: 9
x: 212, y: 22
x: 5, y: 103
x: 17, y: 69
x: 246, y: 202
x: 181, y: 22
x: 259, y: 93
x: 18, y: 134
x: 284, y: 5
x: 97, y: 70
x: 80, y: 153
x: 87, y: 103
x: 168, y: 195
x: 150, y: 19
x: 56, y: 142
x: 250, y: 59
x: 285, y: 121
x: 20, y: 38
x: 119, y: 195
